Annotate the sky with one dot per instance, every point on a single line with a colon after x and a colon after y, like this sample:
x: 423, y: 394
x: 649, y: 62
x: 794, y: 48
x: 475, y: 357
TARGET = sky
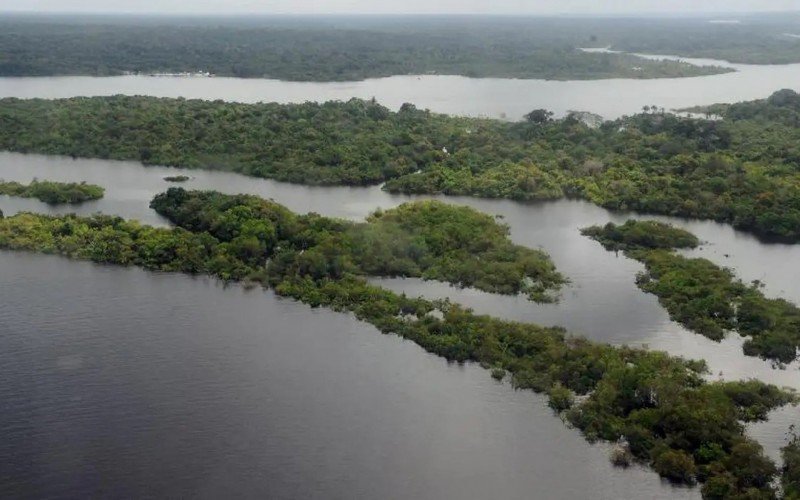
x: 400, y: 6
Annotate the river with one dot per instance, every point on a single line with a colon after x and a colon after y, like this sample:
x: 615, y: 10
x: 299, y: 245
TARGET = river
x: 121, y: 382
x: 458, y: 95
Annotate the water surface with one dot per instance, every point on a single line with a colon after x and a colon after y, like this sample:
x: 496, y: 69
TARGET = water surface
x: 122, y: 383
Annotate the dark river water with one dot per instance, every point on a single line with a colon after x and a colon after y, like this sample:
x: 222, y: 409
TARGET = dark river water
x: 121, y: 382
x: 124, y: 383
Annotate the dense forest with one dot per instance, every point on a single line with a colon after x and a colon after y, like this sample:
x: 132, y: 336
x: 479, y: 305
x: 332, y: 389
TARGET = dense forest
x: 764, y: 40
x: 741, y: 169
x: 687, y: 429
x: 354, y: 48
x: 427, y: 239
x: 333, y: 143
x: 320, y: 50
x: 702, y: 296
x: 53, y: 193
x: 739, y: 165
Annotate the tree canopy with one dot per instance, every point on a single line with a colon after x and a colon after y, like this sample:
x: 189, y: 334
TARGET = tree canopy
x: 308, y: 50
x: 742, y: 169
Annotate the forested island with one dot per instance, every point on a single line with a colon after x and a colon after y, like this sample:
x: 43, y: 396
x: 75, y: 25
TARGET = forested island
x: 687, y: 429
x: 53, y: 193
x: 702, y: 296
x: 740, y: 169
x: 641, y: 235
x: 337, y: 49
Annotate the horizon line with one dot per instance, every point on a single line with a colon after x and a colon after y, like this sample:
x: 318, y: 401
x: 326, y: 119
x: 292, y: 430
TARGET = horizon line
x: 407, y: 14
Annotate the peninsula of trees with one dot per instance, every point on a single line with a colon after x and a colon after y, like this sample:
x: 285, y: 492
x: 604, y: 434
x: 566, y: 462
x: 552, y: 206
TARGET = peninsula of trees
x: 53, y: 193
x: 687, y: 429
x: 700, y: 295
x: 741, y: 169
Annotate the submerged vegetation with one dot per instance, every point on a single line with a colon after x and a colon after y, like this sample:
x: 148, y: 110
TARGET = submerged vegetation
x: 702, y: 296
x: 742, y: 169
x: 53, y: 193
x: 176, y: 178
x: 687, y: 429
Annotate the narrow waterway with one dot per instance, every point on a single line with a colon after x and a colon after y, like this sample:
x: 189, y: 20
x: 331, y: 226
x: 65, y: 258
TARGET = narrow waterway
x: 505, y: 98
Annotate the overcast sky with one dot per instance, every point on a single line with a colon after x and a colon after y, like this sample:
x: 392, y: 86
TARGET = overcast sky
x: 400, y: 6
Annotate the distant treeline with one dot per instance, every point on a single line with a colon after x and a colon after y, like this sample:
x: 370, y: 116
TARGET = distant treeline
x: 318, y: 51
x: 741, y: 169
x: 688, y: 430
